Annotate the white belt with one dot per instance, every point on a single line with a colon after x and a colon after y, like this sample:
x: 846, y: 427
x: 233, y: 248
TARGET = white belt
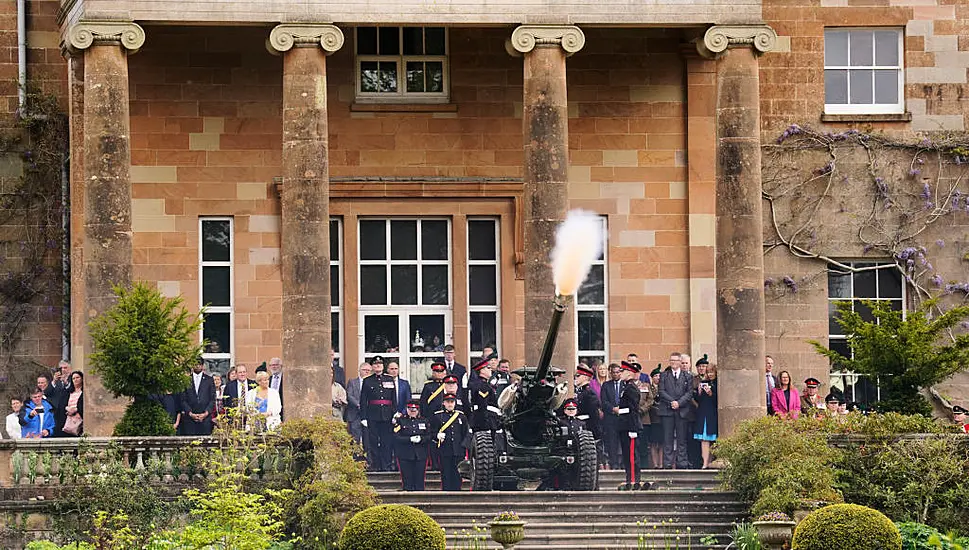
x: 583, y: 417
x: 624, y: 410
x: 495, y: 410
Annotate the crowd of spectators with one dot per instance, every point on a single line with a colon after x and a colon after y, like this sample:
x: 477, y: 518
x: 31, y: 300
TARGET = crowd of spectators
x: 53, y: 408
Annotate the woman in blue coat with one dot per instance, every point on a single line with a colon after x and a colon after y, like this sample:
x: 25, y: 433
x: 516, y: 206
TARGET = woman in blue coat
x: 705, y: 428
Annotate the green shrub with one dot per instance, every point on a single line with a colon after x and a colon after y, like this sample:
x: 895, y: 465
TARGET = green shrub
x: 918, y: 536
x: 846, y: 527
x: 47, y: 545
x: 145, y: 344
x: 392, y: 527
x: 144, y: 418
x: 775, y: 466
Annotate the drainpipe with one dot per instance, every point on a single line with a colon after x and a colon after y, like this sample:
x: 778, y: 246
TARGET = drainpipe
x: 22, y: 56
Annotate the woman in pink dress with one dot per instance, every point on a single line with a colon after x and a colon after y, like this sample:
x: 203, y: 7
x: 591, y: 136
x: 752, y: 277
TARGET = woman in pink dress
x: 785, y: 398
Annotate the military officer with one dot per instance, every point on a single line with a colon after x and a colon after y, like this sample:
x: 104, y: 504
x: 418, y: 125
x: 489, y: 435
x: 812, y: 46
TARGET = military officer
x: 628, y: 423
x: 587, y: 400
x: 451, y: 430
x: 411, y: 435
x: 451, y: 385
x: 570, y: 418
x: 378, y: 404
x: 961, y: 417
x: 432, y: 400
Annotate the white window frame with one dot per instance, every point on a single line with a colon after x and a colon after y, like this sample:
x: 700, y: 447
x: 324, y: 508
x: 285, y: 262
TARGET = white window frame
x: 868, y: 108
x: 844, y: 375
x: 603, y: 307
x: 341, y: 341
x: 496, y: 309
x: 230, y: 309
x: 402, y: 95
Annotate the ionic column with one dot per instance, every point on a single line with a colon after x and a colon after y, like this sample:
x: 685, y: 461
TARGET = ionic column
x: 106, y: 190
x: 740, y: 228
x: 305, y: 216
x: 546, y: 144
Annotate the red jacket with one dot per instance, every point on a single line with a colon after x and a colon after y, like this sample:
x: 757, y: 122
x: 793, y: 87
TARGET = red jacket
x: 787, y: 409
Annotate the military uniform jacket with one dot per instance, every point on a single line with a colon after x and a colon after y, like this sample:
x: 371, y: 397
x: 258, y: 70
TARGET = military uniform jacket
x: 588, y: 412
x: 484, y: 405
x: 378, y: 398
x: 406, y: 427
x: 454, y: 426
x: 573, y: 424
x: 629, y: 408
x: 432, y: 398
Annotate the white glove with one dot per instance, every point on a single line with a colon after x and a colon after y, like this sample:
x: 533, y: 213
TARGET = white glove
x: 397, y: 415
x: 363, y: 423
x: 415, y: 439
x: 441, y: 436
x: 633, y: 435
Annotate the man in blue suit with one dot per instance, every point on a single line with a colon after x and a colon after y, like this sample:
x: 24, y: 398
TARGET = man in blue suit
x: 609, y: 397
x: 403, y: 386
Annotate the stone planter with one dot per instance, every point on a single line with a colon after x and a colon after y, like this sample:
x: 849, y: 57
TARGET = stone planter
x: 507, y: 533
x: 806, y: 507
x: 774, y: 534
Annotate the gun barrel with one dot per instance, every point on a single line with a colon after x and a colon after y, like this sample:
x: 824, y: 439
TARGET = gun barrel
x: 560, y: 305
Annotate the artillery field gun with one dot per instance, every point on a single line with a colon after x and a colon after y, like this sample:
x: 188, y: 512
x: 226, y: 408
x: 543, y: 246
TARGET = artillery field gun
x: 535, y: 446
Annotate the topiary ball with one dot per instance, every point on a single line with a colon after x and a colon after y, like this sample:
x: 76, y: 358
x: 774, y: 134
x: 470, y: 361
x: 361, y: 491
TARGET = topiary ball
x: 846, y: 527
x: 392, y: 527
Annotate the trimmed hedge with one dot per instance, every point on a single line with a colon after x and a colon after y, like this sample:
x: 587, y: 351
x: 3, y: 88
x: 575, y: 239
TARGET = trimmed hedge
x: 392, y: 527
x: 846, y: 527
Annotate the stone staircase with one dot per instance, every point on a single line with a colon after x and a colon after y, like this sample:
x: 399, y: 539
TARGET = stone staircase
x: 683, y: 503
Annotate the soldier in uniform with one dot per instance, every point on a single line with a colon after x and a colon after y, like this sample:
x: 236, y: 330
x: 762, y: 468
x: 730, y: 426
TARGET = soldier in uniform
x: 451, y: 385
x: 411, y: 435
x: 961, y: 417
x: 587, y: 401
x: 378, y: 404
x: 451, y: 430
x: 628, y: 423
x: 432, y: 400
x: 811, y: 403
x: 484, y: 414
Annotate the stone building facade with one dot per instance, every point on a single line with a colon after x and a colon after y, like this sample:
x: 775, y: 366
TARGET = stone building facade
x: 391, y: 174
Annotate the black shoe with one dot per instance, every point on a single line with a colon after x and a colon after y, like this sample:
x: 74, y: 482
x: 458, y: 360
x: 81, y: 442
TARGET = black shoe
x: 637, y: 486
x: 646, y: 486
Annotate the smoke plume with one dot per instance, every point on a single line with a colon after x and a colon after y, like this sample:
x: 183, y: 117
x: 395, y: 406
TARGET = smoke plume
x: 578, y: 243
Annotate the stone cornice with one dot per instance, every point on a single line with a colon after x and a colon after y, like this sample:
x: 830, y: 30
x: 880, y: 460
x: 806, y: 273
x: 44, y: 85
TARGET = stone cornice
x: 720, y: 37
x: 526, y: 37
x: 127, y: 34
x: 286, y: 36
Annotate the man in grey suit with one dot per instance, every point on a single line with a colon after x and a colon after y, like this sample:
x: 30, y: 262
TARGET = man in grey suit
x: 676, y: 399
x: 353, y: 403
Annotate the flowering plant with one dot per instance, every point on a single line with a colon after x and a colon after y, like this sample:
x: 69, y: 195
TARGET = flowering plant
x: 774, y: 516
x: 507, y: 516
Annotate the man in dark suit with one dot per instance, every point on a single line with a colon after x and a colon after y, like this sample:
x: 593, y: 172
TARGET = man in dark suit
x: 353, y: 404
x: 276, y: 381
x: 450, y: 365
x: 676, y: 399
x: 609, y: 397
x: 197, y: 402
x: 403, y: 386
x: 770, y: 381
x: 235, y: 391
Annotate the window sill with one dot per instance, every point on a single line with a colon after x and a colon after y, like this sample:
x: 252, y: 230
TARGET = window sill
x: 403, y: 107
x: 884, y: 117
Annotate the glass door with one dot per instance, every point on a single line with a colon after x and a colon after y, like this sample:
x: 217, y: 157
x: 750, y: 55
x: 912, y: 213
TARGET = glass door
x: 413, y: 339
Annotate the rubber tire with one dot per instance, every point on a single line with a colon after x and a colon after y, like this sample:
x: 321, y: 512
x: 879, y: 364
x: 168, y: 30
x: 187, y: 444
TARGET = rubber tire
x: 586, y: 468
x: 482, y: 461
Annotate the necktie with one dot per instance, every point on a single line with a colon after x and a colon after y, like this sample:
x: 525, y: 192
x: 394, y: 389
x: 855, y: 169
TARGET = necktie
x: 617, y: 391
x: 276, y: 382
x: 243, y: 386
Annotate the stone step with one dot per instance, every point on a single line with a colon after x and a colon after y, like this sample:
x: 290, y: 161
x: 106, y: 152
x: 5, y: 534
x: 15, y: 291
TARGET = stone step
x: 547, y: 498
x: 631, y: 541
x: 598, y: 517
x: 706, y: 480
x: 609, y: 528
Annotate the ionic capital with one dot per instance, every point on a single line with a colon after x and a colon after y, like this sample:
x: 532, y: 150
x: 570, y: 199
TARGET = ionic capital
x: 287, y: 36
x: 720, y: 37
x: 526, y: 37
x: 127, y: 34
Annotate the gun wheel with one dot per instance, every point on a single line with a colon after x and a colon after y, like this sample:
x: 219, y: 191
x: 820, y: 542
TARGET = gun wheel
x: 586, y: 469
x: 482, y: 461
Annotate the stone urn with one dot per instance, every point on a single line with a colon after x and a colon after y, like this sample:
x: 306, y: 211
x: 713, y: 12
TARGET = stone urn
x: 507, y: 533
x: 774, y: 534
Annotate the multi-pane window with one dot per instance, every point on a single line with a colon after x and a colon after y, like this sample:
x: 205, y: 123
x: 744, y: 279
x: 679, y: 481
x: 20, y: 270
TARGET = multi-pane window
x: 402, y: 63
x: 405, y: 293
x: 484, y: 283
x: 591, y: 310
x: 215, y: 281
x: 863, y: 71
x: 869, y: 283
x: 336, y: 285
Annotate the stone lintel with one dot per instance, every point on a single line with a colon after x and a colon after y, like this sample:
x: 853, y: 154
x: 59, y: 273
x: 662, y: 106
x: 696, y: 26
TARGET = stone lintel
x: 720, y: 37
x: 526, y: 38
x: 286, y: 36
x: 83, y: 34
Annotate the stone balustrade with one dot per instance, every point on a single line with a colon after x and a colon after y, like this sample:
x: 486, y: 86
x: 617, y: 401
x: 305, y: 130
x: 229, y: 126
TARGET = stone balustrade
x: 163, y: 460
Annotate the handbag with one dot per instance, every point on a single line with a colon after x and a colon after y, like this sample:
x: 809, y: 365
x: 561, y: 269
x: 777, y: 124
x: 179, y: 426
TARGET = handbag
x: 73, y: 424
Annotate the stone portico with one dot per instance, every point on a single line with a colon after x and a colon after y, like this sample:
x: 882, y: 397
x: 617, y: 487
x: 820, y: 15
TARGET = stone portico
x: 654, y: 125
